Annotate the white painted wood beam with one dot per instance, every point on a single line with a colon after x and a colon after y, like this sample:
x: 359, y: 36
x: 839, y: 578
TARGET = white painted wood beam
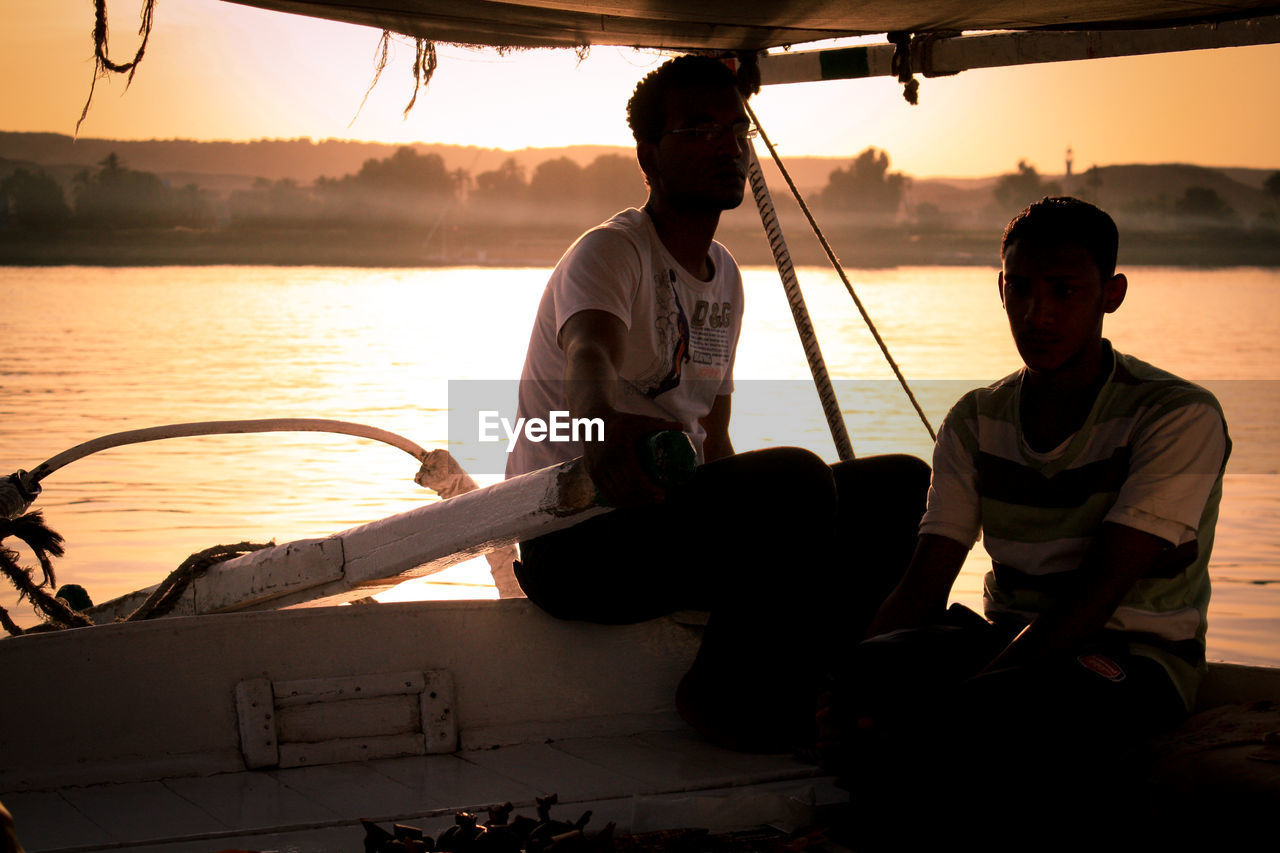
x: 942, y: 56
x: 363, y: 560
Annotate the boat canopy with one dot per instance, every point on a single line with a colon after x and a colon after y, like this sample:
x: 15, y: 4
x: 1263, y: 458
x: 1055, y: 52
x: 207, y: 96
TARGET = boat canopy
x: 743, y: 24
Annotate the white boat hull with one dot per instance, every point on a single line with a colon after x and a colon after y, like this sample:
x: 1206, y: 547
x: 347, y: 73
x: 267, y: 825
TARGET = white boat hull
x: 229, y: 727
x: 157, y: 699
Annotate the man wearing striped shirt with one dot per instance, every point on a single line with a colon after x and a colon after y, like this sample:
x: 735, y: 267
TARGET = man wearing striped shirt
x: 1094, y: 479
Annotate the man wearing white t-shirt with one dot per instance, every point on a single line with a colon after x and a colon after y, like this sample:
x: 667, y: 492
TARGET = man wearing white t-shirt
x: 639, y: 327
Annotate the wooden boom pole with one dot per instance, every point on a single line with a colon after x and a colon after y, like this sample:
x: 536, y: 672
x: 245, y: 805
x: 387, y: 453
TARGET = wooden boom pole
x: 935, y: 55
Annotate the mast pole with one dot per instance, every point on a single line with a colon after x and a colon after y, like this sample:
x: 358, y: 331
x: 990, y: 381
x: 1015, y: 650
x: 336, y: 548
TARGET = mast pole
x: 804, y: 325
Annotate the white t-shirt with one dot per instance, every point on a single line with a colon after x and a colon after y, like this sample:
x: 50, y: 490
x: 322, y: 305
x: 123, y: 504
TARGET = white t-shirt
x: 682, y: 333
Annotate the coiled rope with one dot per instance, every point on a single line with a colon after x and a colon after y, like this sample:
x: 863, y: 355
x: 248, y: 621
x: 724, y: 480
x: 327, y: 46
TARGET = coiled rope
x: 45, y: 544
x: 59, y: 614
x: 839, y: 268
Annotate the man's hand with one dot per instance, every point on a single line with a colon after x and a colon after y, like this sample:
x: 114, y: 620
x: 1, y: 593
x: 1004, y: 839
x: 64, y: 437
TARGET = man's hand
x: 617, y: 466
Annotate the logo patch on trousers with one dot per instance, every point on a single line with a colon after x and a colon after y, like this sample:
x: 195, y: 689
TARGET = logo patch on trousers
x: 1102, y: 665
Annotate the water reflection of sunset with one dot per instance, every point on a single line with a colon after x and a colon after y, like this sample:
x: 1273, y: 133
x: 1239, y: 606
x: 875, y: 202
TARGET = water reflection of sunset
x: 101, y: 350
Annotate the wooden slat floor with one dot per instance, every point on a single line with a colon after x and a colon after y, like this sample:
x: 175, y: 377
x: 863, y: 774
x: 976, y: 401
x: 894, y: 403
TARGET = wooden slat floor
x: 643, y: 781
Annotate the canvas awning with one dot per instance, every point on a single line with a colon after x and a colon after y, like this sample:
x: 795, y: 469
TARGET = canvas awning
x: 741, y: 24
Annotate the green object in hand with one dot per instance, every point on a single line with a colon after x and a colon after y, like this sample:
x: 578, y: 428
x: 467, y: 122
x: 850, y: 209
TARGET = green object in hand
x: 668, y: 457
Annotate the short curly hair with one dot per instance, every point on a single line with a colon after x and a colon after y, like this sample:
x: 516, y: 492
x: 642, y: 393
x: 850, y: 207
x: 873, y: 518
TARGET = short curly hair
x: 646, y: 111
x: 1064, y: 219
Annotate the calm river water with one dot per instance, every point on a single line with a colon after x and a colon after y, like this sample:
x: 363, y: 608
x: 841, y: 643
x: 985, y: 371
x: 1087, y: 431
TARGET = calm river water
x: 91, y: 351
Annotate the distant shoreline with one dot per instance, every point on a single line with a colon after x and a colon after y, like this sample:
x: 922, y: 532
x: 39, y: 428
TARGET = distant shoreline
x: 542, y: 247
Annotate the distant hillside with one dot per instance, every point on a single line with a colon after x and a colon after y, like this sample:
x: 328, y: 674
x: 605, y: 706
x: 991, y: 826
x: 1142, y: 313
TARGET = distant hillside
x: 1170, y: 213
x: 303, y: 160
x: 299, y: 159
x: 1137, y: 195
x: 225, y: 166
x: 1132, y: 186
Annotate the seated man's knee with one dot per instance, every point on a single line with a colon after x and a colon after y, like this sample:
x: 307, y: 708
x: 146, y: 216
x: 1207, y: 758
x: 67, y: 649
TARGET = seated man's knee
x: 890, y: 485
x: 778, y: 471
x: 805, y: 481
x: 793, y: 459
x: 913, y: 468
x: 911, y: 473
x: 772, y: 490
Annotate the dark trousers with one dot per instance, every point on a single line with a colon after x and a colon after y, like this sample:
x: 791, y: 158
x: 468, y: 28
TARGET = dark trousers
x: 1047, y: 750
x: 790, y: 556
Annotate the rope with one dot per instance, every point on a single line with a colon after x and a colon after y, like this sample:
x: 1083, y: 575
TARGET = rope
x: 425, y: 60
x: 441, y: 473
x: 102, y: 62
x: 9, y: 625
x: 166, y: 596
x: 137, y: 436
x: 58, y: 615
x: 804, y: 326
x: 424, y: 68
x: 43, y: 542
x: 835, y: 262
x: 379, y: 65
x: 17, y: 492
x: 901, y: 66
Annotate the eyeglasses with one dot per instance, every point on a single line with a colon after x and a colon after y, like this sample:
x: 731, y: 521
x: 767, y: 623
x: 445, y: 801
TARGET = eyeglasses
x: 712, y: 132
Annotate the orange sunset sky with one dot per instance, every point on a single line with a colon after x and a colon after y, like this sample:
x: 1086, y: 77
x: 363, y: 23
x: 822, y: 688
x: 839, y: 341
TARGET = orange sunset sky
x: 215, y: 70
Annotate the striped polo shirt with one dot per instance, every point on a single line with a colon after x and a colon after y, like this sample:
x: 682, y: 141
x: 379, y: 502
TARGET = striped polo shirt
x: 1150, y: 456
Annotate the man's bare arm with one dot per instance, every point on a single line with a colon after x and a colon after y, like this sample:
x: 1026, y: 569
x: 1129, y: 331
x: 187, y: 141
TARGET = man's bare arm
x: 593, y: 343
x: 921, y: 596
x: 716, y: 423
x: 1121, y: 555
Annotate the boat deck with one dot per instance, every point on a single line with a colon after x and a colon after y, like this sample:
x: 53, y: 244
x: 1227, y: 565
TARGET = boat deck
x: 140, y: 736
x: 642, y: 782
